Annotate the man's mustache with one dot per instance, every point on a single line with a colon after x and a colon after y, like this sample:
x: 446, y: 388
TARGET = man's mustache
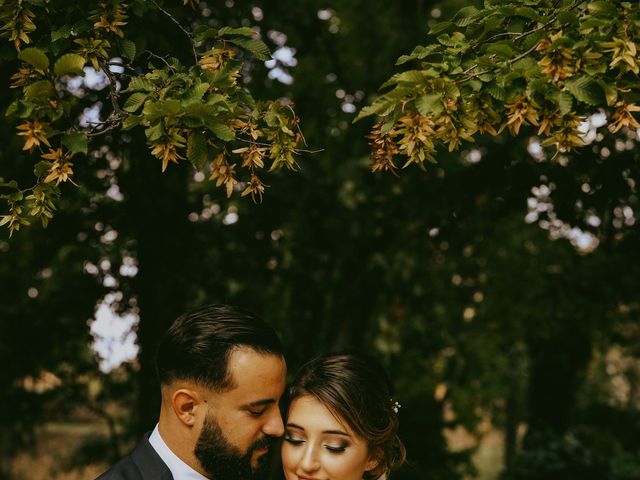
x: 264, y: 442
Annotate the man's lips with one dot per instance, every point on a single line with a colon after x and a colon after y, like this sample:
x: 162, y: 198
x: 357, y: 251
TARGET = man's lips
x: 303, y: 477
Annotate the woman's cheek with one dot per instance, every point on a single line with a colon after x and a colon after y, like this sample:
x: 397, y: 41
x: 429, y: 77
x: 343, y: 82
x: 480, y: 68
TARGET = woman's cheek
x: 289, y: 461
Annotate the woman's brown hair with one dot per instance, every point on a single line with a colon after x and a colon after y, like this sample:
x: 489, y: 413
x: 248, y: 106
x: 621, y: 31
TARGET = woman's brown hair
x: 357, y: 391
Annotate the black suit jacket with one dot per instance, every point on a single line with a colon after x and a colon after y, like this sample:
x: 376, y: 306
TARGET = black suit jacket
x: 143, y: 463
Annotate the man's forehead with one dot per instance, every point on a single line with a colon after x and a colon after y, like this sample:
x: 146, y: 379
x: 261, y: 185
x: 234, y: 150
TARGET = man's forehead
x: 247, y: 366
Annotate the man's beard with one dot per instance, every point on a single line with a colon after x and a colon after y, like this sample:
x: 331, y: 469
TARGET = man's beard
x: 224, y: 461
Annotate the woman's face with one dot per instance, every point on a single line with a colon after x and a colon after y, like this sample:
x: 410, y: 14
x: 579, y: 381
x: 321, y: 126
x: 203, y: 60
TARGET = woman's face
x: 319, y: 447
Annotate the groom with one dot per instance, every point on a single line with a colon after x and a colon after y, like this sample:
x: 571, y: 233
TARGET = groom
x: 221, y: 373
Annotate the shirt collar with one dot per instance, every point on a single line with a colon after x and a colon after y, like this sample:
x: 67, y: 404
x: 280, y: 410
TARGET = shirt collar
x: 179, y: 469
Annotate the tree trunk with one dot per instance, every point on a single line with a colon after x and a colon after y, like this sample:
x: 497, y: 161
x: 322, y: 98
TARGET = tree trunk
x: 157, y: 207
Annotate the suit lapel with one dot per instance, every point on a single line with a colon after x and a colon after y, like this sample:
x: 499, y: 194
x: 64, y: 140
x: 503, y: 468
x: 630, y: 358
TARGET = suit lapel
x: 149, y: 462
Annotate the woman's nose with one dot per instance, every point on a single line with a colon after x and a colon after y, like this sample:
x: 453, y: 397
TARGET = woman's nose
x: 309, y: 461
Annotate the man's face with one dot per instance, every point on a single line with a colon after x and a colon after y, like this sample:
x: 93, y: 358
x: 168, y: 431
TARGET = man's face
x: 242, y: 423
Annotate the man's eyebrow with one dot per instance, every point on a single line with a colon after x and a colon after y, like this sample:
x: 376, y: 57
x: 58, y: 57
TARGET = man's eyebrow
x: 261, y: 403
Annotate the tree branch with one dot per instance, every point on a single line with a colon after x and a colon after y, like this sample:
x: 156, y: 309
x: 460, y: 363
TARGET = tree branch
x: 186, y: 32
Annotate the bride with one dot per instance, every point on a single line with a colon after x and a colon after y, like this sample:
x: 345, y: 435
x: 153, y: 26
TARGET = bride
x: 341, y: 423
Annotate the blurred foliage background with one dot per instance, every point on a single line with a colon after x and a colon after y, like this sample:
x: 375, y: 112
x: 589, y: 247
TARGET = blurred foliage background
x: 499, y: 287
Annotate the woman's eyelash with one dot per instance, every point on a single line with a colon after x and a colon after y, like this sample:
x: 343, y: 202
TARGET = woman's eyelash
x: 339, y: 449
x: 293, y: 441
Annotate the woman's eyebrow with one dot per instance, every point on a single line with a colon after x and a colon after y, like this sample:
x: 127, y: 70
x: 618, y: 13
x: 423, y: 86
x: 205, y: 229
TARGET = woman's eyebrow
x: 336, y: 432
x: 326, y: 432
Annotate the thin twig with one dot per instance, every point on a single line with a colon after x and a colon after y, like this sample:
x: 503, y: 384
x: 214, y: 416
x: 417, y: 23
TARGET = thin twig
x: 113, y: 94
x: 302, y: 150
x: 262, y: 144
x: 186, y: 32
x: 304, y: 140
x: 162, y: 59
x: 97, y: 133
x: 126, y: 66
x: 522, y: 55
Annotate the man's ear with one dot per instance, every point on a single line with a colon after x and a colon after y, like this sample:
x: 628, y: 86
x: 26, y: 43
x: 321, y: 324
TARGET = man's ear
x: 185, y: 403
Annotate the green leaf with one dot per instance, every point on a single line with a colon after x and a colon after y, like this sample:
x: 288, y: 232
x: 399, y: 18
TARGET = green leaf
x: 528, y: 65
x: 390, y: 121
x: 527, y: 12
x: 510, y: 77
x: 61, y: 33
x: 20, y: 109
x: 76, y: 142
x: 242, y: 31
x: 16, y: 196
x: 197, y: 149
x: 39, y: 89
x: 69, y: 64
x: 603, y: 7
x: 12, y: 109
x: 11, y: 184
x: 140, y: 84
x: 257, y: 47
x: 154, y: 132
x: 440, y: 27
x: 502, y: 49
x: 531, y: 40
x: 465, y: 16
x: 196, y: 93
x: 193, y: 122
x: 538, y: 86
x: 128, y: 49
x: 476, y: 85
x: 202, y: 110
x: 587, y: 90
x: 34, y: 57
x: 454, y: 40
x: 610, y: 92
x: 131, y: 121
x: 222, y: 131
x: 563, y: 100
x: 491, y: 23
x: 202, y: 33
x: 161, y: 108
x: 41, y: 168
x: 134, y: 102
x: 419, y: 53
x: 430, y: 103
x: 381, y: 106
x: 496, y: 92
x: 568, y: 17
x: 412, y: 77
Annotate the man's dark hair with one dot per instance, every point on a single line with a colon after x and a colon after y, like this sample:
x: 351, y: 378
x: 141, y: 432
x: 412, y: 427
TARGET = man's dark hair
x: 198, y: 345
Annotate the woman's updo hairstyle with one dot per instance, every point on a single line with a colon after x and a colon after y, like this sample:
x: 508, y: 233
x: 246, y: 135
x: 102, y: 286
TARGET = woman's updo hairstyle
x: 356, y: 390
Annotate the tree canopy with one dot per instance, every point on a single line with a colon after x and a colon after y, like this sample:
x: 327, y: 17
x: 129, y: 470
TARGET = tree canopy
x: 191, y: 108
x: 499, y: 287
x: 506, y: 65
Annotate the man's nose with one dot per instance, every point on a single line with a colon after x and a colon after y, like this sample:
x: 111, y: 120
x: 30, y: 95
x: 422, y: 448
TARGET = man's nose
x: 274, y: 426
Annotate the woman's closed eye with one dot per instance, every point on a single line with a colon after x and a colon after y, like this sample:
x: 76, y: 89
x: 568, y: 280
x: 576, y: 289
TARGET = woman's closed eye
x: 336, y: 447
x: 293, y: 440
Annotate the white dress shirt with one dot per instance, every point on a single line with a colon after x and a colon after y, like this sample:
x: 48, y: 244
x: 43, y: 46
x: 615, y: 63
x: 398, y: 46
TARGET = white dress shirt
x: 179, y: 469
